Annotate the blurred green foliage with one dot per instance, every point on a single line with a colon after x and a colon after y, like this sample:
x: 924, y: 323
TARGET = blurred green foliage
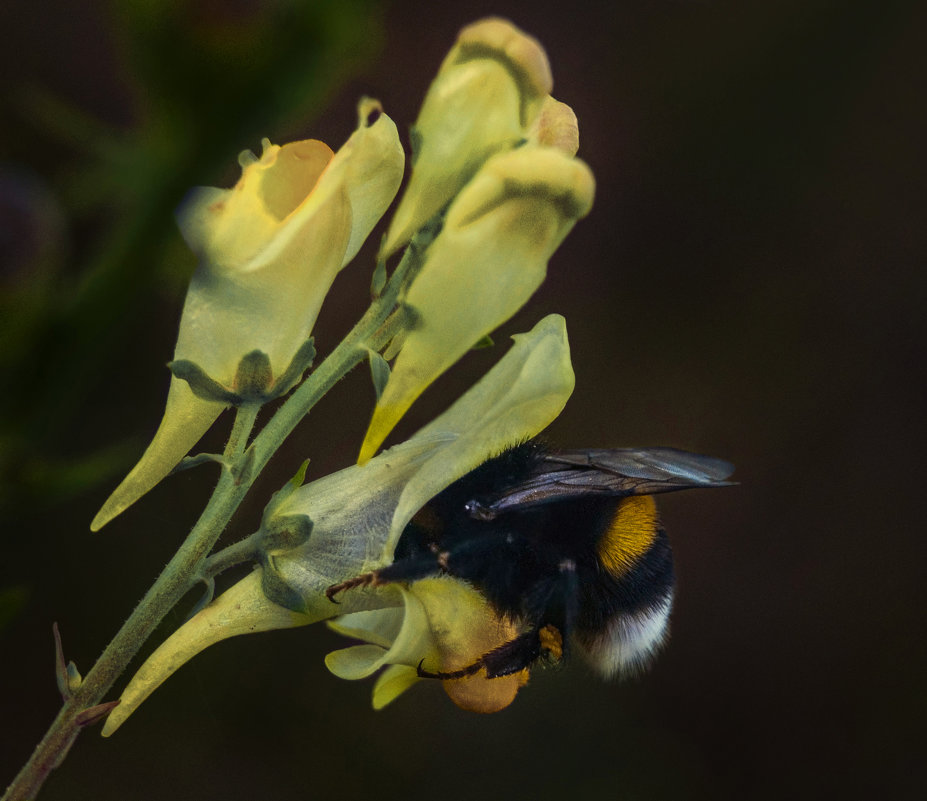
x: 12, y: 600
x: 201, y: 78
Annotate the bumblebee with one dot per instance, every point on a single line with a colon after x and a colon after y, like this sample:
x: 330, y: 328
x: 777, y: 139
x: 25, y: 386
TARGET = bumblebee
x: 567, y: 543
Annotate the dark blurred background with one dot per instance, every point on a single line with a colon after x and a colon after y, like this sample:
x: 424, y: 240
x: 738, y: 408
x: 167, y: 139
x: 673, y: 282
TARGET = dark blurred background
x: 750, y: 284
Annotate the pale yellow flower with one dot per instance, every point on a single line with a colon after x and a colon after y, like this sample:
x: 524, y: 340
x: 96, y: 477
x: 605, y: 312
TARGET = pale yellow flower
x: 358, y: 515
x: 269, y: 250
x: 489, y: 258
x: 485, y: 98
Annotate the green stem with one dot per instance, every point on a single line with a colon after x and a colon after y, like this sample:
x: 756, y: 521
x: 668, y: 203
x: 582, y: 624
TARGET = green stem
x: 174, y: 582
x: 185, y: 569
x: 241, y: 430
x: 245, y: 550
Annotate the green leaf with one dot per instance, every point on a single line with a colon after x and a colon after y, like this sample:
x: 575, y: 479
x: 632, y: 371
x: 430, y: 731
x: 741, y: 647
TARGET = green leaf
x: 378, y: 281
x: 189, y: 462
x: 379, y: 371
x: 297, y: 481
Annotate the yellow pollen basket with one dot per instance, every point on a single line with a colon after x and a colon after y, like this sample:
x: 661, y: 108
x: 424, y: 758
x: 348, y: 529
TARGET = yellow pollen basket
x: 551, y: 641
x: 630, y: 534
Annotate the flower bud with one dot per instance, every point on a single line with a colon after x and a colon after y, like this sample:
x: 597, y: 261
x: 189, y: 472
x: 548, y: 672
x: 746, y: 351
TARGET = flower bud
x: 485, y: 98
x: 489, y: 258
x: 358, y: 515
x: 269, y: 250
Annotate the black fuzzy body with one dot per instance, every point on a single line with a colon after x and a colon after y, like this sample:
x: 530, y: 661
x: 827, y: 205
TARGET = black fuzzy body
x: 540, y: 564
x: 566, y: 544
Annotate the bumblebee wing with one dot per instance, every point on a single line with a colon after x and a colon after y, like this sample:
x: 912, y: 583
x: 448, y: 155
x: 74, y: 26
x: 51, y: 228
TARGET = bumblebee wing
x: 562, y: 475
x: 667, y: 469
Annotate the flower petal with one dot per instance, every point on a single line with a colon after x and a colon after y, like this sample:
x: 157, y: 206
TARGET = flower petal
x: 358, y: 515
x: 512, y: 403
x: 556, y: 126
x: 377, y: 626
x: 392, y: 683
x: 227, y: 315
x: 270, y: 249
x: 231, y: 228
x: 487, y: 261
x: 186, y: 419
x: 242, y: 609
x: 487, y: 93
x: 356, y: 662
x: 446, y: 625
x: 374, y: 163
x: 408, y: 646
x: 271, y: 306
x: 465, y: 627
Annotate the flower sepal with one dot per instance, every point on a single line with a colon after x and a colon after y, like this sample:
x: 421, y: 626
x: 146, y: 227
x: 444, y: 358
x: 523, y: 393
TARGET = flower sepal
x: 281, y: 534
x: 284, y: 533
x: 254, y: 381
x: 201, y: 384
x: 278, y: 590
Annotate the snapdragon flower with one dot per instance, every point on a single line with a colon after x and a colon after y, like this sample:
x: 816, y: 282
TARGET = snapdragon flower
x: 486, y: 97
x: 495, y: 189
x: 269, y: 250
x: 357, y: 516
x: 489, y: 258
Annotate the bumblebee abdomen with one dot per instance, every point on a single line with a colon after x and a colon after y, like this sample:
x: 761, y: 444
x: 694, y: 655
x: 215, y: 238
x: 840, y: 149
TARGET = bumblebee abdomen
x: 628, y: 641
x: 629, y: 535
x: 625, y: 614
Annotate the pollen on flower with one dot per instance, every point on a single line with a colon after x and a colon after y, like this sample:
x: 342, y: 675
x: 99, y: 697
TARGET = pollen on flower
x: 479, y: 694
x: 464, y: 628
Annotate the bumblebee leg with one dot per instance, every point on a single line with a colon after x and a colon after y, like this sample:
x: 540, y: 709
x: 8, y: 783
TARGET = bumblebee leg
x: 404, y: 570
x: 510, y: 657
x: 469, y: 670
x: 426, y: 563
x: 364, y: 580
